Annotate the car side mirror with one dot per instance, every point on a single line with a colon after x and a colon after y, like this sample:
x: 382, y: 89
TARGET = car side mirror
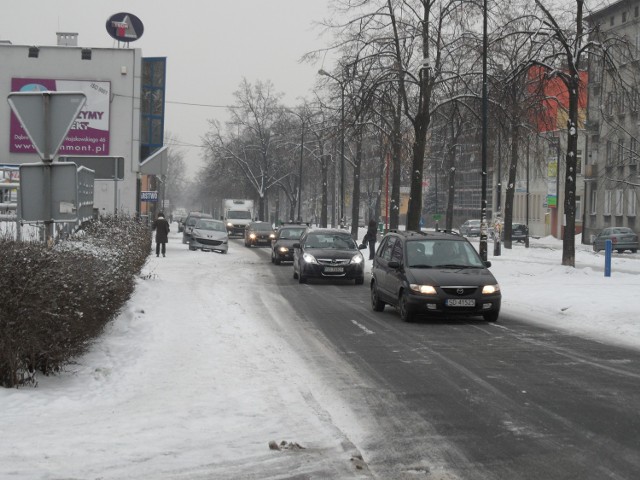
x: 394, y: 264
x: 487, y: 263
x: 296, y: 245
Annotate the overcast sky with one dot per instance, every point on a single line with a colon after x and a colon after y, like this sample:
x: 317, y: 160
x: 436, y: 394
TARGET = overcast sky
x: 210, y: 46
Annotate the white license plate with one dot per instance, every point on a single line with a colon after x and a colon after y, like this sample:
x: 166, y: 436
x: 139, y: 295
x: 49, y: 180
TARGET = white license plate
x: 333, y: 269
x: 461, y: 302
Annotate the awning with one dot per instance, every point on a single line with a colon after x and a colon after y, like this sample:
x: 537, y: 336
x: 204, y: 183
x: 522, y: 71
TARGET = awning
x: 156, y: 163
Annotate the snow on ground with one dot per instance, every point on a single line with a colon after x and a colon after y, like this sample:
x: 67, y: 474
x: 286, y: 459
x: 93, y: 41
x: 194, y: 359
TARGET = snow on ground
x: 198, y: 373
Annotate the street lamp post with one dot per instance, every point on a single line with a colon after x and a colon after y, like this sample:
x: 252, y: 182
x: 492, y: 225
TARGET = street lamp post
x: 327, y: 74
x: 300, y: 165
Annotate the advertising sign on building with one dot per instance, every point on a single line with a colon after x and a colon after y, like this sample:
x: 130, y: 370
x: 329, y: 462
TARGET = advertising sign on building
x: 89, y: 133
x: 149, y: 196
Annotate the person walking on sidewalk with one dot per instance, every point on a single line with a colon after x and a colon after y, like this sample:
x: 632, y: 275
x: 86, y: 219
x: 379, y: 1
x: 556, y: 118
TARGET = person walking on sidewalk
x: 161, y: 227
x: 371, y: 237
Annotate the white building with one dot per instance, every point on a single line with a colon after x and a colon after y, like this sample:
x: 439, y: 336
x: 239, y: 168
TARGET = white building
x: 113, y: 122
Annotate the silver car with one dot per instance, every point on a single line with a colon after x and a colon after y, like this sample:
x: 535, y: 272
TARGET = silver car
x: 209, y: 235
x: 622, y: 238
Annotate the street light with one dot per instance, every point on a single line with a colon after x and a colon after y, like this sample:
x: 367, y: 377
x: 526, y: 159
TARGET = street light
x: 327, y: 74
x: 300, y: 166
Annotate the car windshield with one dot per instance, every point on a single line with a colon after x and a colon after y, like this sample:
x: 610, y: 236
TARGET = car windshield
x: 239, y: 215
x: 291, y: 233
x: 331, y: 240
x: 621, y: 230
x: 261, y: 227
x: 211, y: 225
x: 430, y: 253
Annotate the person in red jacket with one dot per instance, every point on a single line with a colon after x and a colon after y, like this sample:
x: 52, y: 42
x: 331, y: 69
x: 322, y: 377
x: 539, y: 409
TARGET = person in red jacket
x: 161, y: 227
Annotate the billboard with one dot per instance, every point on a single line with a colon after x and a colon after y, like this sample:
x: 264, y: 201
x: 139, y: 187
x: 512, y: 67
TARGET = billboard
x: 89, y: 133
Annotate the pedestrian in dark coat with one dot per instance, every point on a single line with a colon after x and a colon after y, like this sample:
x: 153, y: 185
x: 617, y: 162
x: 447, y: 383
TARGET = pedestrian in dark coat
x: 161, y: 227
x: 371, y: 237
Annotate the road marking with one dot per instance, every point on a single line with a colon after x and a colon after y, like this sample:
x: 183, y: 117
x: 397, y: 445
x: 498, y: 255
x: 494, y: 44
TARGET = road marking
x: 363, y: 328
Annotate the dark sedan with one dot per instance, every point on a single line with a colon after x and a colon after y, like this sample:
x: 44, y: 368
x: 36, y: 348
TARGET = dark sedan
x: 282, y: 245
x: 328, y: 253
x: 519, y: 232
x: 258, y: 234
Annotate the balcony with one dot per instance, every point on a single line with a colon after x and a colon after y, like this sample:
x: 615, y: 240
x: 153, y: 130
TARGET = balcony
x: 590, y: 172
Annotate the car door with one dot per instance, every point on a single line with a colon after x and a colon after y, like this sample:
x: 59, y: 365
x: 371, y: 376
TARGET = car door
x: 381, y: 266
x: 396, y: 273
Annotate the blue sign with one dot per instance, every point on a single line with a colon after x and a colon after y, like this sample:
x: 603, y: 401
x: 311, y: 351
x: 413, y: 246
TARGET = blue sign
x: 149, y: 196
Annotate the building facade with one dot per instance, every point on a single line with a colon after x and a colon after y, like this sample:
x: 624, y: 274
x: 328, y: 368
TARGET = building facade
x: 112, y: 128
x: 613, y: 121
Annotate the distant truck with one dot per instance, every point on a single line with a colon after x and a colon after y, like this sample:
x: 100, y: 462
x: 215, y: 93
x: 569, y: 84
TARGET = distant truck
x: 237, y: 214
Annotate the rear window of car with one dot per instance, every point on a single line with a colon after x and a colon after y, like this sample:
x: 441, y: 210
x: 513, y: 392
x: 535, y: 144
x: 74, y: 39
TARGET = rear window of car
x: 211, y: 225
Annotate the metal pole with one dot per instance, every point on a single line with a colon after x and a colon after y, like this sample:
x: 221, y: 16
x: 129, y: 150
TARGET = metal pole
x: 342, y: 156
x: 300, y: 172
x: 483, y: 214
x: 48, y: 159
x: 526, y: 238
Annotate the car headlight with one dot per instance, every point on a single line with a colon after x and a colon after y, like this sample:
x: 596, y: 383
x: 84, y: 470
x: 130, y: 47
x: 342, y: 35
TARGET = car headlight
x: 229, y: 224
x: 424, y: 289
x: 489, y: 289
x: 252, y: 236
x: 307, y: 257
x: 357, y: 258
x: 272, y: 236
x: 283, y: 249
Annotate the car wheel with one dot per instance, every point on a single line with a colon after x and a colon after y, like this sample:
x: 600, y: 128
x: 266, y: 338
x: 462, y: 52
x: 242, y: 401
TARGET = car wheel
x: 634, y: 250
x: 359, y: 280
x: 405, y: 312
x: 276, y: 261
x: 491, y: 316
x: 273, y: 257
x: 302, y: 278
x: 376, y: 303
x: 192, y: 248
x: 295, y: 274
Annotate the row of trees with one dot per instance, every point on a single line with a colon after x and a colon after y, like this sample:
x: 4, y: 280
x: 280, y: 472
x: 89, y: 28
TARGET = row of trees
x: 409, y: 80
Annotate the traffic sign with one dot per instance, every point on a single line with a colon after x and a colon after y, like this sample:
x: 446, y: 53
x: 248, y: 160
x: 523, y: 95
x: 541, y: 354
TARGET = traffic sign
x: 49, y: 192
x: 46, y: 117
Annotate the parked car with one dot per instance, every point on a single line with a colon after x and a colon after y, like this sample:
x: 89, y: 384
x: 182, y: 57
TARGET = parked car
x: 282, y: 245
x: 190, y: 222
x: 622, y: 238
x: 258, y: 233
x: 327, y: 253
x: 209, y: 235
x: 433, y: 273
x: 470, y: 228
x: 519, y: 232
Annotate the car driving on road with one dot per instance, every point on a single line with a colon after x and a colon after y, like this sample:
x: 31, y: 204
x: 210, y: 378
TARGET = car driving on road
x: 258, y: 234
x: 327, y: 253
x: 434, y: 273
x: 282, y: 245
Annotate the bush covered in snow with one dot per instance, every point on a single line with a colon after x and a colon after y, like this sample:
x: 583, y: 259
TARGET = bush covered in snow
x: 55, y: 301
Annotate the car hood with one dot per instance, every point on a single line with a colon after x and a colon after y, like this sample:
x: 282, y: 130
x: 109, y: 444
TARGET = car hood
x: 286, y: 242
x: 331, y: 253
x: 213, y: 234
x: 451, y: 276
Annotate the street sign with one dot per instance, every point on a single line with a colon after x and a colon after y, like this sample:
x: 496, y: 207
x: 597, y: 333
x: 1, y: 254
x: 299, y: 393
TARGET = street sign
x: 149, y: 196
x: 105, y: 168
x: 46, y: 117
x: 49, y: 196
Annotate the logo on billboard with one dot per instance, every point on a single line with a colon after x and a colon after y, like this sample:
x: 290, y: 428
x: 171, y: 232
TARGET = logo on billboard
x: 125, y: 27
